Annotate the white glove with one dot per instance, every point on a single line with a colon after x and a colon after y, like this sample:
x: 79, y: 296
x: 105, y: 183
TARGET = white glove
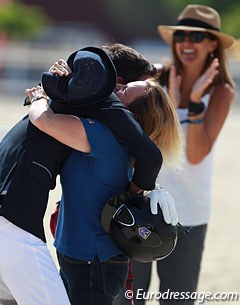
x: 166, y: 203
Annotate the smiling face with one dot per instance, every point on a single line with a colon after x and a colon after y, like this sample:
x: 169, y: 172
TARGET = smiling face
x: 190, y: 52
x: 129, y: 92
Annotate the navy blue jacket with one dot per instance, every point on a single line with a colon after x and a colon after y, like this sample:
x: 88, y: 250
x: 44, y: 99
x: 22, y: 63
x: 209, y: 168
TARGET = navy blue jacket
x: 30, y: 160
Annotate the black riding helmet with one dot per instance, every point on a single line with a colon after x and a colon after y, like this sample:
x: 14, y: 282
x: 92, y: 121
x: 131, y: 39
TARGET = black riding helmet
x: 92, y: 80
x: 136, y: 231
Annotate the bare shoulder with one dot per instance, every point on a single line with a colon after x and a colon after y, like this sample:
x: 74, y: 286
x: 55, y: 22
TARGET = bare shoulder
x: 218, y: 109
x: 223, y: 94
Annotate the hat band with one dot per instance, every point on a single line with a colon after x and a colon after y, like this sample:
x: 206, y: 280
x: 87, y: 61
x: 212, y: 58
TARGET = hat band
x: 197, y: 23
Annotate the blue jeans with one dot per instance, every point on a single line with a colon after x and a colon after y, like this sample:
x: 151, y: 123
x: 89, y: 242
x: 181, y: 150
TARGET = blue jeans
x: 93, y: 283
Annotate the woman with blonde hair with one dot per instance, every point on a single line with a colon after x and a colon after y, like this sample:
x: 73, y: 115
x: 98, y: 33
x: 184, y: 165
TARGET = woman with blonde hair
x: 155, y: 112
x: 202, y: 91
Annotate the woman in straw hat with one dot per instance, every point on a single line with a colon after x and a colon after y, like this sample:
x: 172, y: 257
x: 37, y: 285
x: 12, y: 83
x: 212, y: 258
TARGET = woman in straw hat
x: 202, y: 91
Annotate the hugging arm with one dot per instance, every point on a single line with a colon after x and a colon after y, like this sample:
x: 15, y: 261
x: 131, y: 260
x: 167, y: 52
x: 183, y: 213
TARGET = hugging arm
x: 147, y: 157
x: 112, y: 113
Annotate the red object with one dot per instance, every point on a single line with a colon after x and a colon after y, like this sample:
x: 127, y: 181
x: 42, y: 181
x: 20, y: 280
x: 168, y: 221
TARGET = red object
x: 53, y: 220
x: 129, y: 283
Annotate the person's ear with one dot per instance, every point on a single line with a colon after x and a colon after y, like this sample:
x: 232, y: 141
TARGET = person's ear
x: 213, y: 46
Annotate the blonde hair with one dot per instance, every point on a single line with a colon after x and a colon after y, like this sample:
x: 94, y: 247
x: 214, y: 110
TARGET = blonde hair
x: 157, y: 116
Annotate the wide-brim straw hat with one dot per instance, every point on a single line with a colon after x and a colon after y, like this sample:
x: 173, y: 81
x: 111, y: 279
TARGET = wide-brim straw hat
x: 197, y: 18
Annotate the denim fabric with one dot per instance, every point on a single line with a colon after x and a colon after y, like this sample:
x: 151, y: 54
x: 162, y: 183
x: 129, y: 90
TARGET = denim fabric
x: 95, y: 282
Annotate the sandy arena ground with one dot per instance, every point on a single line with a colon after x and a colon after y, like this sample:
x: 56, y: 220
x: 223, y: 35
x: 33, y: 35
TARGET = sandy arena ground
x: 221, y: 262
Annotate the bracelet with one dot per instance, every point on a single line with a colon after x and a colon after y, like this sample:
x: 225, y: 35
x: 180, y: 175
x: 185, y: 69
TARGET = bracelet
x: 38, y: 97
x: 196, y: 121
x: 195, y: 108
x: 28, y: 102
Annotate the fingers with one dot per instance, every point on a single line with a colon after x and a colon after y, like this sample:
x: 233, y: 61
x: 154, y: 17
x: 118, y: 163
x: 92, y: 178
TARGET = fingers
x: 168, y: 208
x: 169, y: 212
x: 153, y: 202
x: 61, y: 68
x: 34, y: 91
x: 31, y: 91
x: 28, y: 92
x: 172, y: 213
x: 166, y: 202
x: 212, y: 71
x: 154, y: 207
x: 174, y: 86
x: 204, y: 81
x: 179, y: 80
x: 165, y: 212
x: 215, y: 62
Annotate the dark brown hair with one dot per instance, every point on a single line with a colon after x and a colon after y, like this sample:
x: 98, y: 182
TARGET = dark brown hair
x: 130, y: 64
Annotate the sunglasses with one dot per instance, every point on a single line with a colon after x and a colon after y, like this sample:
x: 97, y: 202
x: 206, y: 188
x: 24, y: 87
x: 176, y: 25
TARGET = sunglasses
x: 180, y: 36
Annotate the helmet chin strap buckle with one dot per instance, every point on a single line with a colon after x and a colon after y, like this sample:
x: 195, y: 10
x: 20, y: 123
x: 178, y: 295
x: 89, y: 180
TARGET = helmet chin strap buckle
x: 184, y: 230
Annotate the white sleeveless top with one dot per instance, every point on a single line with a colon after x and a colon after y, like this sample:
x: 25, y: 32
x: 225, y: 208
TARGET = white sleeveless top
x: 191, y: 185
